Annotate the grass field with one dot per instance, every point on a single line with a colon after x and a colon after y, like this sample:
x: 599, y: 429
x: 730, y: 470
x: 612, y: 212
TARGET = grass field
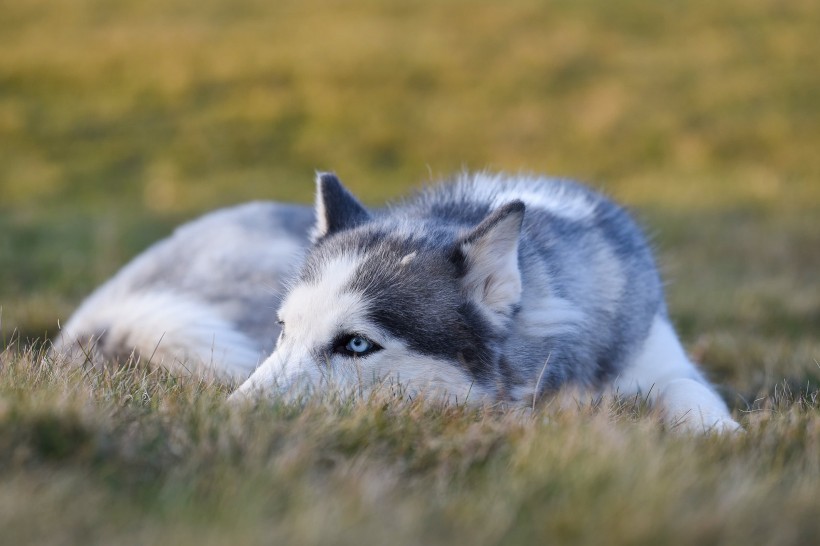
x: 119, y: 120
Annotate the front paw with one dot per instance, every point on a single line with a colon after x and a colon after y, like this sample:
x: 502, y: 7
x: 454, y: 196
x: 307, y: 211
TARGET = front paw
x: 690, y: 406
x: 696, y: 422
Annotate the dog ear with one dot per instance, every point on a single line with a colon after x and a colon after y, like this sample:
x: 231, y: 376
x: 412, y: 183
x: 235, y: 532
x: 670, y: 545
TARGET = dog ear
x: 490, y: 259
x: 336, y: 208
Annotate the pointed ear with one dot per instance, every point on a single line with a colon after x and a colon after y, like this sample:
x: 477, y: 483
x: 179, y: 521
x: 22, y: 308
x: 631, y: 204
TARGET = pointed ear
x: 490, y: 252
x: 336, y: 208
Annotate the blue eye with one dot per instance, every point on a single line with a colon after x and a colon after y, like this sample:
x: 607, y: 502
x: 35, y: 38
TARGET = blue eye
x: 358, y: 345
x: 354, y: 345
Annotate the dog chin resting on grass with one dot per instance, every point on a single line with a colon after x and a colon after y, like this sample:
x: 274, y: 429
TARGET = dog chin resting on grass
x: 485, y: 288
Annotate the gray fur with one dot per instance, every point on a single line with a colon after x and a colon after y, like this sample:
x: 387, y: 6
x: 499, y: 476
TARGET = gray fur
x: 337, y: 209
x: 232, y: 261
x: 422, y: 303
x: 515, y: 285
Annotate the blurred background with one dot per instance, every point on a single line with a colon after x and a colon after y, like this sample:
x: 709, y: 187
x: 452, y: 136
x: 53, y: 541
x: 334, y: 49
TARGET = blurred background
x: 118, y: 120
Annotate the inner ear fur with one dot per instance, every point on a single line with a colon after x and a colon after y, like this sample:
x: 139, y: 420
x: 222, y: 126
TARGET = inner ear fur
x: 336, y: 208
x: 490, y: 251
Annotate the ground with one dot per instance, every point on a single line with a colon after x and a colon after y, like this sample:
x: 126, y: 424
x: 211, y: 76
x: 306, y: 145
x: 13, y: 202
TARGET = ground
x: 120, y: 120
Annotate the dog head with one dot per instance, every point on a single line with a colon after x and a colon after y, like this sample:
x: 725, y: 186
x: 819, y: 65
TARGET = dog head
x: 419, y: 300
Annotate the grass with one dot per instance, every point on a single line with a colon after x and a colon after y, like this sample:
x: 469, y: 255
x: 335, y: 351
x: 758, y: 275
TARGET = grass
x: 144, y: 457
x: 119, y: 120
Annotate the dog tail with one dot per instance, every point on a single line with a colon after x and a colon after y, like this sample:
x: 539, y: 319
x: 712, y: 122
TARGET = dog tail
x: 160, y: 329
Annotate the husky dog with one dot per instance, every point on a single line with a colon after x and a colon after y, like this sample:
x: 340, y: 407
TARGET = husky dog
x: 486, y: 288
x: 203, y: 299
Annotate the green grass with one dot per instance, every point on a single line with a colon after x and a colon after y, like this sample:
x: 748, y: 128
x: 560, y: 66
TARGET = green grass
x: 118, y: 120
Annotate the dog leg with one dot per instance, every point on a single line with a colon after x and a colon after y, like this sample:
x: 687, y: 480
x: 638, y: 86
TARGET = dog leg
x: 664, y: 374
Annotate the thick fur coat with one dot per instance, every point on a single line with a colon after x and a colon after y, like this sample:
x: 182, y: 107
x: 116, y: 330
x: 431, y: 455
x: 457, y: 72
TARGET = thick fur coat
x: 486, y: 288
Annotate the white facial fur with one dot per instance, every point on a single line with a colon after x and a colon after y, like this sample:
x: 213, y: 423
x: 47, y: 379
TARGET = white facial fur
x: 315, y: 314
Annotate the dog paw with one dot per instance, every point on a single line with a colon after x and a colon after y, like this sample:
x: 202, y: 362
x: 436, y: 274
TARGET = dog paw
x: 695, y: 422
x: 690, y: 406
